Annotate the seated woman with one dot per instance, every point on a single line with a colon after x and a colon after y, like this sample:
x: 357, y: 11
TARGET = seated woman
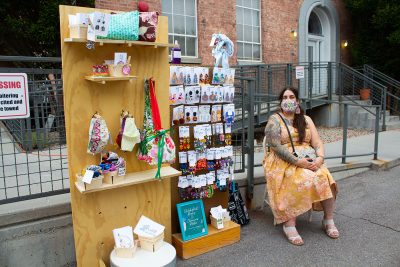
x: 297, y: 182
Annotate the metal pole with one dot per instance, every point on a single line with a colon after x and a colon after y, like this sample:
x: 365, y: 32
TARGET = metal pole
x: 250, y: 142
x: 384, y: 94
x: 376, y: 133
x: 329, y: 80
x: 344, y: 133
x: 258, y: 91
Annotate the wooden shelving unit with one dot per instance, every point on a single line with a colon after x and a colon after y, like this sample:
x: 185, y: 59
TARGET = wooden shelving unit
x: 95, y: 213
x: 128, y: 43
x: 214, y: 240
x: 132, y: 179
x: 103, y: 80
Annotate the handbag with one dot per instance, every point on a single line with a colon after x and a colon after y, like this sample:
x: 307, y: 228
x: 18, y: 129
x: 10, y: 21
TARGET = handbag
x: 147, y: 26
x: 123, y: 26
x: 156, y: 146
x: 236, y: 206
x: 309, y: 153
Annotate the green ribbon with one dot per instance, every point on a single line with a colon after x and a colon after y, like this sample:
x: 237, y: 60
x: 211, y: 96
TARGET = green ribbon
x: 161, y: 142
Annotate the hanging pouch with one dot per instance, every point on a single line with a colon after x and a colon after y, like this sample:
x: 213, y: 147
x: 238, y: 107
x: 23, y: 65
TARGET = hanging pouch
x: 130, y: 136
x: 99, y: 136
x: 156, y: 146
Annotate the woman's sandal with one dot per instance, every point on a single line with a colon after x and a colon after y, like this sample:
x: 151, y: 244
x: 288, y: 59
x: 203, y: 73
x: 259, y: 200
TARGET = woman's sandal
x: 294, y: 240
x: 328, y: 226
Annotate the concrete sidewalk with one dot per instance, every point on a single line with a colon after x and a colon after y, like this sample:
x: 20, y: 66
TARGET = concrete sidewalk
x: 43, y: 227
x: 367, y: 216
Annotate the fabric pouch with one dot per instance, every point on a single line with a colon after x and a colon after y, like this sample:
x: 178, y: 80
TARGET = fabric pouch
x: 123, y: 26
x: 147, y: 26
x: 130, y: 136
x: 99, y: 136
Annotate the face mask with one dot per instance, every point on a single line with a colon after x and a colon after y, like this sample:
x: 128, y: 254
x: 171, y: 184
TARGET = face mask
x: 289, y: 105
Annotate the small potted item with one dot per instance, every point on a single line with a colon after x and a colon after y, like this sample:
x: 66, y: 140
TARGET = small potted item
x: 365, y: 93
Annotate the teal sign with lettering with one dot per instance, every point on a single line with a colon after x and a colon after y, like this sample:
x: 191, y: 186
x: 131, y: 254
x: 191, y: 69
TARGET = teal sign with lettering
x: 192, y: 219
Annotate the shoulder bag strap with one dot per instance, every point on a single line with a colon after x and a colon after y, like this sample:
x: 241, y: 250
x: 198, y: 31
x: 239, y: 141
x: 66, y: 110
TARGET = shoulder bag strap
x: 287, y: 128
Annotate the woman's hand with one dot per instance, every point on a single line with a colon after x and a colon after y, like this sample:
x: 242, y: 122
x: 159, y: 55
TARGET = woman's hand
x: 304, y: 163
x: 311, y: 165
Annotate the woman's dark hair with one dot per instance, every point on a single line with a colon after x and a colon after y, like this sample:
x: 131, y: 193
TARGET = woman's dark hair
x: 299, y: 121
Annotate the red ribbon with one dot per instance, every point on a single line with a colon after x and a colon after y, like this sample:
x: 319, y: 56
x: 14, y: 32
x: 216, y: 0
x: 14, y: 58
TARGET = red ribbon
x: 154, y: 106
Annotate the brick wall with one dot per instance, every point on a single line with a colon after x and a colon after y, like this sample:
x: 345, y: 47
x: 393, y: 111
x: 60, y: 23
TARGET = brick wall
x: 126, y: 5
x: 278, y: 18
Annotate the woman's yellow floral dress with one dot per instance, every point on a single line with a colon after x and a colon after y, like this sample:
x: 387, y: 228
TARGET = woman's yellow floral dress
x: 293, y: 190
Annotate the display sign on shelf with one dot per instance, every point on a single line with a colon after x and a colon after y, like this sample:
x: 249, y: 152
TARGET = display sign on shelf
x: 192, y: 219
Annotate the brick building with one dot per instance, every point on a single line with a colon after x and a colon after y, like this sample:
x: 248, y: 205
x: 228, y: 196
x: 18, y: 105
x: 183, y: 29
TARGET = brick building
x: 263, y: 31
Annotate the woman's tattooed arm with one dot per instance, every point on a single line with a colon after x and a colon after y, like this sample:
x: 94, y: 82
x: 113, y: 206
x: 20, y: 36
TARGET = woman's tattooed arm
x: 273, y: 136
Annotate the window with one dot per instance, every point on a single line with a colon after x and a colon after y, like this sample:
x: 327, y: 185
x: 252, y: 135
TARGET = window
x: 314, y: 24
x: 182, y: 24
x: 248, y: 30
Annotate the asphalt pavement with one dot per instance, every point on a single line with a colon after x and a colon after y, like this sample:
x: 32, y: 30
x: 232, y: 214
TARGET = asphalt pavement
x: 367, y: 215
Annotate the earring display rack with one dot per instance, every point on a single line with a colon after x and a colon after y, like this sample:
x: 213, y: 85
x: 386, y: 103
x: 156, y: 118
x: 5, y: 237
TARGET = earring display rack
x: 215, y: 238
x: 96, y: 212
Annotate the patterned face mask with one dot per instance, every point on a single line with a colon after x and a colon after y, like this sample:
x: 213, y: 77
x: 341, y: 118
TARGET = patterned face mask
x: 289, y: 105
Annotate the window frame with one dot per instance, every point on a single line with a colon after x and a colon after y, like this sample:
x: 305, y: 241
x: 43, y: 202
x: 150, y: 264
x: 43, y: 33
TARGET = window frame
x: 247, y: 42
x: 173, y: 34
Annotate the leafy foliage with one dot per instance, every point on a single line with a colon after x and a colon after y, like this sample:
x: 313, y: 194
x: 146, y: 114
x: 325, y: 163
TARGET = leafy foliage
x: 376, y: 34
x: 32, y: 28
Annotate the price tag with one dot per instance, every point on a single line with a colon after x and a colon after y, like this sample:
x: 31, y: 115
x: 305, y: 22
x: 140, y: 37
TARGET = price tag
x: 87, y: 178
x: 229, y: 151
x: 210, y: 154
x: 203, y: 180
x: 183, y: 157
x: 222, y: 182
x: 184, y: 131
x: 183, y: 182
x: 208, y: 130
x: 210, y: 178
x: 228, y: 128
x: 218, y: 153
x: 224, y: 153
x: 192, y: 158
x: 197, y: 183
x: 121, y: 171
x: 189, y: 179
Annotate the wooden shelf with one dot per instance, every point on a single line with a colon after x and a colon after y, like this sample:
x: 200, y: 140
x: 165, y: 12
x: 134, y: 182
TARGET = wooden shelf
x: 132, y: 179
x: 107, y: 41
x: 214, y: 240
x: 103, y: 80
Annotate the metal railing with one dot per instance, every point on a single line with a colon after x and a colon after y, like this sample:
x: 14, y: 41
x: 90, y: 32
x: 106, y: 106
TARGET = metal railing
x: 393, y: 88
x: 33, y: 160
x: 33, y: 157
x: 352, y: 81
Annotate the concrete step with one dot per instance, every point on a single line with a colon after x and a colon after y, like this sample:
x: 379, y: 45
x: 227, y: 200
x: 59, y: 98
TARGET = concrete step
x: 393, y: 125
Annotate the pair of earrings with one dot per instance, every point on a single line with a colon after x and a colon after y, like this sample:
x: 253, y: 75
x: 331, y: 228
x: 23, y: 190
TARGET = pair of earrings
x: 201, y: 165
x: 184, y: 143
x: 200, y: 144
x: 228, y: 139
x: 194, y: 118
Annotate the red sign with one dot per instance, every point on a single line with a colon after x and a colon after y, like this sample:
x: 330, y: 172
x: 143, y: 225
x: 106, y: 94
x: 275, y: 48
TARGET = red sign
x: 14, y: 98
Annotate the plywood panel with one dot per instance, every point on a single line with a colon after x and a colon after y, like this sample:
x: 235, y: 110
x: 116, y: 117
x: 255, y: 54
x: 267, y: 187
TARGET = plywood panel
x: 214, y: 240
x: 96, y: 214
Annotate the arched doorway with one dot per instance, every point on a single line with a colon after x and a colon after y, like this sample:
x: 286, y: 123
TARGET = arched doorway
x: 318, y: 43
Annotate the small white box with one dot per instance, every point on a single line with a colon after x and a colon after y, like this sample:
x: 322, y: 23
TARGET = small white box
x: 78, y: 31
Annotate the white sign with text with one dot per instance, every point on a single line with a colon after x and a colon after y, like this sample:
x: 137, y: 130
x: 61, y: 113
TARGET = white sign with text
x: 14, y: 97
